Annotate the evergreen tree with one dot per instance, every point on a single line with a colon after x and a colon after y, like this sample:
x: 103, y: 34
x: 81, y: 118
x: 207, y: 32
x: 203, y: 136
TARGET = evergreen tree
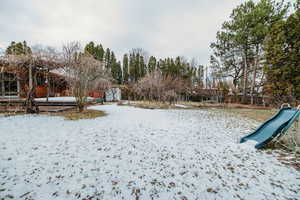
x: 107, y: 59
x: 18, y: 48
x: 238, y: 49
x: 142, y: 67
x: 136, y: 67
x: 116, y: 70
x: 131, y: 67
x: 89, y: 48
x: 178, y: 67
x: 152, y: 64
x: 100, y: 52
x: 282, y: 59
x: 95, y: 50
x: 119, y: 76
x: 125, y: 68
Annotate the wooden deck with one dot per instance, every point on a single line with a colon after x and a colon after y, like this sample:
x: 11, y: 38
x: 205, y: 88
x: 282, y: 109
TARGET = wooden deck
x: 17, y: 105
x: 20, y: 102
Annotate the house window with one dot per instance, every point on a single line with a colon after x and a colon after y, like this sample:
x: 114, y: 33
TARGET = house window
x: 40, y: 80
x: 8, y: 84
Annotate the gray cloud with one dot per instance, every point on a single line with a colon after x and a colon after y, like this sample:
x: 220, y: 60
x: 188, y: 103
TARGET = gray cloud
x: 161, y: 27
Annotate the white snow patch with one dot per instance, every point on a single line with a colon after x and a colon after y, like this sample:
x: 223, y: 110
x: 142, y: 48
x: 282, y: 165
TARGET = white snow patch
x: 132, y: 152
x: 251, y: 143
x: 181, y: 106
x: 61, y: 99
x: 126, y: 102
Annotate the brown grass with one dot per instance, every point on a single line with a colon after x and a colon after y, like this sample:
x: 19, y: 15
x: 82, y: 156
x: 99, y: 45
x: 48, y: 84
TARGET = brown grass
x: 257, y: 113
x: 69, y: 114
x: 86, y: 114
x: 152, y: 105
x: 253, y: 114
x: 9, y: 114
x: 222, y: 105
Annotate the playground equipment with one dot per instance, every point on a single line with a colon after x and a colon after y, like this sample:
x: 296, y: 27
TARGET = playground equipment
x: 275, y: 126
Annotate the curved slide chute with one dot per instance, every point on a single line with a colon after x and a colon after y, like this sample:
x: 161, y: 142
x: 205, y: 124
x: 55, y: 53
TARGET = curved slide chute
x: 273, y: 127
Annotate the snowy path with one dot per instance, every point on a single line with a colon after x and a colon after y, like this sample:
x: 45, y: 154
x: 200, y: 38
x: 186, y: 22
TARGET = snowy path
x: 138, y: 154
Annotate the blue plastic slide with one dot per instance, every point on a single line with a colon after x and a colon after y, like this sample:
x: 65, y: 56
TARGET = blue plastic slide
x: 278, y: 124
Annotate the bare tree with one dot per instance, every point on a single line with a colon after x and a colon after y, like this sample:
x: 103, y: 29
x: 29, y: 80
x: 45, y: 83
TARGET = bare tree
x: 194, y: 62
x: 48, y: 55
x: 157, y: 87
x: 31, y: 64
x: 141, y: 52
x: 104, y: 84
x: 84, y: 73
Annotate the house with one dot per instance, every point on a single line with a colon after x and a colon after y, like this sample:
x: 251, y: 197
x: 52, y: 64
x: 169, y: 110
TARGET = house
x: 48, y: 78
x: 113, y: 94
x: 14, y: 83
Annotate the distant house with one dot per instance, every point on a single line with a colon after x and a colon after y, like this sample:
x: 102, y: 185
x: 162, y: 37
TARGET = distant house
x: 15, y: 84
x: 113, y: 94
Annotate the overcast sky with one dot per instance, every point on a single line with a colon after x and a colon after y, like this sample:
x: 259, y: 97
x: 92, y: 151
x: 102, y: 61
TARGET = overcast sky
x: 161, y: 27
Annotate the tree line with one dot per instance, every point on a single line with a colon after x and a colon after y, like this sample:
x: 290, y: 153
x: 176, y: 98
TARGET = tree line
x: 257, y: 50
x: 93, y: 67
x: 256, y: 54
x: 136, y: 65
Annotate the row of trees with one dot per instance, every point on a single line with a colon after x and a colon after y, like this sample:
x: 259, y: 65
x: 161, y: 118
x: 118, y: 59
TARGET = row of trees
x: 108, y: 57
x: 18, y: 48
x: 92, y: 67
x: 150, y: 78
x: 136, y: 64
x: 256, y: 52
x: 177, y: 67
x: 259, y: 48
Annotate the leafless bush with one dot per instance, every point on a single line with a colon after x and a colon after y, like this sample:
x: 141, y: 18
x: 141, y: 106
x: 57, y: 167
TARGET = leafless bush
x: 171, y: 96
x: 157, y: 87
x: 104, y: 84
x: 84, y: 73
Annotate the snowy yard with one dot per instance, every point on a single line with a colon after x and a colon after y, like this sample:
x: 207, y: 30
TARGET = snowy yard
x: 60, y: 99
x: 136, y: 153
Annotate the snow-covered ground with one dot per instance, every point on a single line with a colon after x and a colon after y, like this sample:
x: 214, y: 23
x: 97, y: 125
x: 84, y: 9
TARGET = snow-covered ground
x: 61, y: 99
x: 134, y: 153
x: 181, y: 106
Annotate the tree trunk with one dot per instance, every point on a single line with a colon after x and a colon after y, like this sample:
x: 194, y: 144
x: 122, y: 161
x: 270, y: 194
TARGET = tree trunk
x: 245, y: 79
x: 30, y: 104
x: 80, y: 108
x: 254, y: 75
x: 253, y: 86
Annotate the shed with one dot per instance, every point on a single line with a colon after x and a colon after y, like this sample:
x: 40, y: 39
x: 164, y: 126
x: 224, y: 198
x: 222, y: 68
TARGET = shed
x: 113, y: 94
